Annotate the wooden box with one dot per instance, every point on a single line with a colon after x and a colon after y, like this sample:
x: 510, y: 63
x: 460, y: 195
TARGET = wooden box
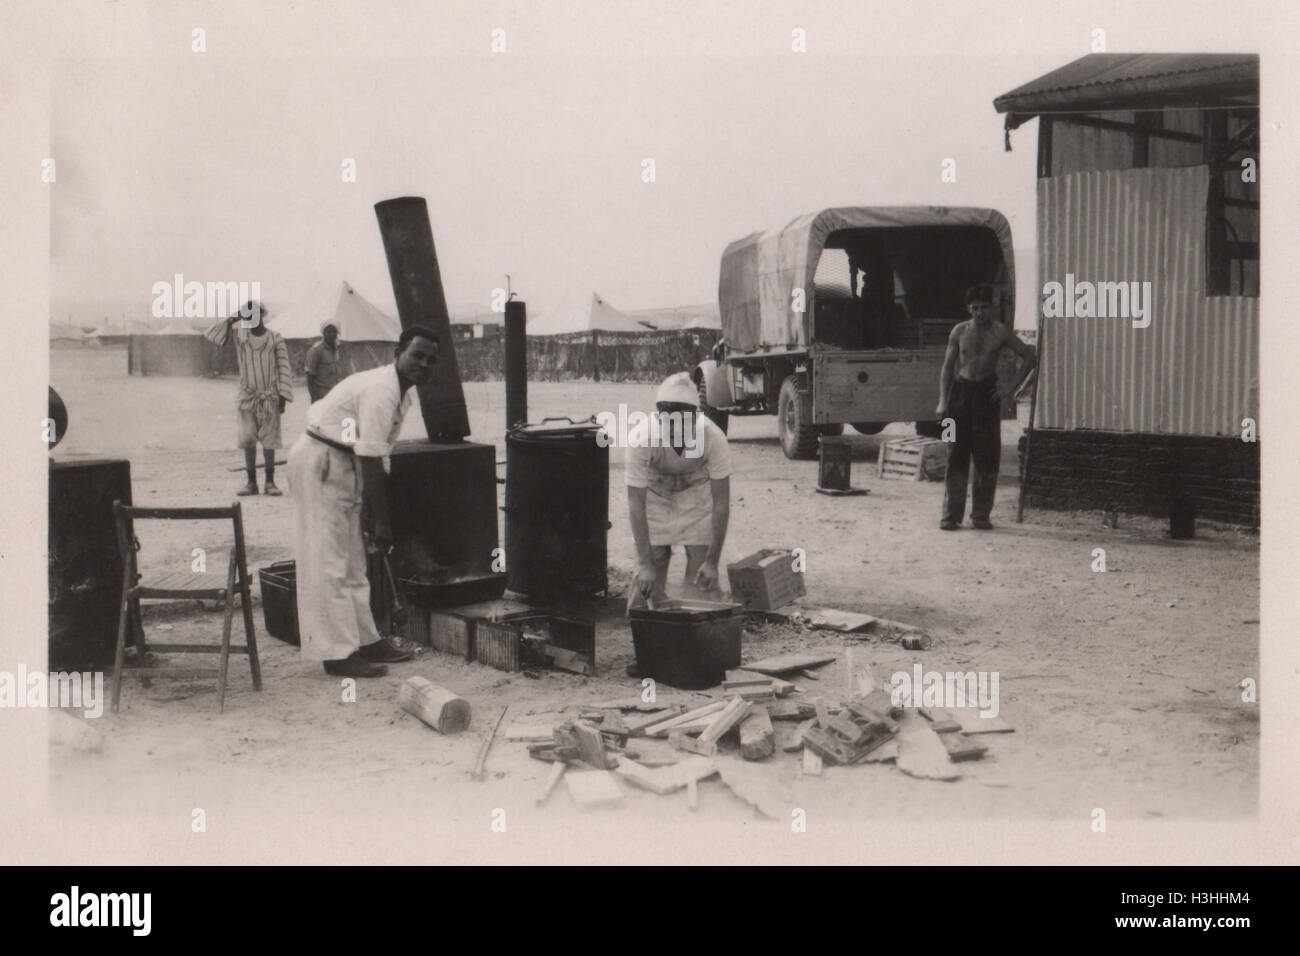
x: 510, y: 645
x: 453, y: 630
x: 921, y: 459
x: 766, y: 580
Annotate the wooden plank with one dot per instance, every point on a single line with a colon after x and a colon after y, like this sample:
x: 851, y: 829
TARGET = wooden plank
x: 593, y: 788
x: 812, y: 763
x: 727, y: 718
x: 477, y: 772
x: 787, y: 663
x: 591, y: 745
x: 844, y: 726
x: 972, y: 723
x: 740, y: 677
x: 757, y: 739
x: 790, y: 710
x: 828, y: 746
x: 661, y: 728
x: 637, y: 725
x: 796, y: 743
x: 528, y: 732
x: 941, y: 721
x: 552, y: 781
x: 960, y: 747
x: 823, y: 713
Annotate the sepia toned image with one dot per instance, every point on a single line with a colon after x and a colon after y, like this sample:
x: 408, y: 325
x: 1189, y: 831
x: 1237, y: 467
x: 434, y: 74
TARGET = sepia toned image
x: 573, y: 433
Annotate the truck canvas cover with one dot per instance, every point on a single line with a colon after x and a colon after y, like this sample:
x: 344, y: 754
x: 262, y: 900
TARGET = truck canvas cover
x: 760, y: 272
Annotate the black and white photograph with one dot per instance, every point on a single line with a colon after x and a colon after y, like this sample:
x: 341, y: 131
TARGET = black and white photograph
x: 577, y: 432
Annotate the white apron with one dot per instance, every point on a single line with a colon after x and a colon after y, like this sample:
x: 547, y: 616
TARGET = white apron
x: 679, y: 500
x: 334, y: 616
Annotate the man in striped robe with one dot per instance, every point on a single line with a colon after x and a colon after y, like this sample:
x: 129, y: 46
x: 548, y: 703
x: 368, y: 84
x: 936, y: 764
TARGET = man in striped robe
x: 265, y: 385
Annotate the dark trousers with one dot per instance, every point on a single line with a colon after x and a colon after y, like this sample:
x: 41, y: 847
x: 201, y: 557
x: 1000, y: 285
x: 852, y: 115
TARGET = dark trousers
x: 975, y: 408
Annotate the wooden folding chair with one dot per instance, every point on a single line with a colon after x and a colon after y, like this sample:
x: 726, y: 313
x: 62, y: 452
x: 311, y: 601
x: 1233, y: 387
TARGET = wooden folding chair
x: 182, y: 585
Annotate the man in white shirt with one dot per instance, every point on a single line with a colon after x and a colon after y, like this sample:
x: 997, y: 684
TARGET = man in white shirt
x: 679, y: 493
x: 333, y: 468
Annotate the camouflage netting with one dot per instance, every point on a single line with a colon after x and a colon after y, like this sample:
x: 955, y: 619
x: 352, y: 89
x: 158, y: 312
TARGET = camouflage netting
x: 609, y: 356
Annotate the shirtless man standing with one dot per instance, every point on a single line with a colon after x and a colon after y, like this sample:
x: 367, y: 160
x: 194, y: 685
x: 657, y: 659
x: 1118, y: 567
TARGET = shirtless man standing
x: 973, y: 400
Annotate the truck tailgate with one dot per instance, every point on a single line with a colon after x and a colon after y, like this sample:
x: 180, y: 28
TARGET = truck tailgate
x: 876, y: 386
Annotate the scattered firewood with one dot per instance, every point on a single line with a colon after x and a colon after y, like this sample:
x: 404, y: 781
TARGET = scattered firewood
x: 812, y: 763
x: 960, y: 747
x: 662, y: 728
x: 757, y: 739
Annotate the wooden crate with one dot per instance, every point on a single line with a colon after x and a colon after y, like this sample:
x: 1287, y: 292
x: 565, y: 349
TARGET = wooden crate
x: 921, y: 459
x: 765, y: 580
x: 502, y: 644
x: 453, y: 630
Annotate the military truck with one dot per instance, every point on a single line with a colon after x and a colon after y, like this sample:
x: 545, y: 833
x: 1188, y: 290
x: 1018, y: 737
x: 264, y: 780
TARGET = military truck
x: 842, y: 317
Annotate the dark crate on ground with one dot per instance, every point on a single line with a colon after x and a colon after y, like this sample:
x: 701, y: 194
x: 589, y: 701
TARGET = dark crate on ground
x: 454, y: 630
x: 835, y: 463
x: 765, y: 580
x: 278, y: 583
x: 512, y: 644
x: 687, y: 644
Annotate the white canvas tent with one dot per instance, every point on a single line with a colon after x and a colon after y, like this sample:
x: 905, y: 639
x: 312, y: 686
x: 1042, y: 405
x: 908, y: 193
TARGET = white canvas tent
x: 585, y: 313
x: 680, y: 317
x: 172, y: 347
x: 368, y: 333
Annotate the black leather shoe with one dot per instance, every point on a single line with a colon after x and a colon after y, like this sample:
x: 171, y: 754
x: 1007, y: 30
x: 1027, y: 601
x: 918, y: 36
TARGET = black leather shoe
x: 384, y: 651
x: 981, y: 523
x: 354, y: 666
x: 946, y: 525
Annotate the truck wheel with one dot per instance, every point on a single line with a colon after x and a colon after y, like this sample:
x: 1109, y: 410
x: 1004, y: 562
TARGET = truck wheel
x: 929, y: 429
x: 712, y: 414
x: 797, y: 439
x: 869, y: 428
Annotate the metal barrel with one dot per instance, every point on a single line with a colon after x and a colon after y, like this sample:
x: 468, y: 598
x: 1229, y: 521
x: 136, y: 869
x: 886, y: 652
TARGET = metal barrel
x: 417, y: 287
x: 516, y: 364
x: 557, y: 510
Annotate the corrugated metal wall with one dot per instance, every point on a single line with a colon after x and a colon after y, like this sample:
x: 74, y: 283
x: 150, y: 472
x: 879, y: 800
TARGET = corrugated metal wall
x: 1195, y: 369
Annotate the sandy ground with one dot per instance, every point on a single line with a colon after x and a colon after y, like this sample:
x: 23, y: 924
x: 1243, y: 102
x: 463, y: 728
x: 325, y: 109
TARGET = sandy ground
x: 1122, y: 686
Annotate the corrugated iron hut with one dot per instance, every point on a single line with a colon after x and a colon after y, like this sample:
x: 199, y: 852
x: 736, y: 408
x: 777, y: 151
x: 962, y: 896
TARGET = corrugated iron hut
x: 1148, y: 259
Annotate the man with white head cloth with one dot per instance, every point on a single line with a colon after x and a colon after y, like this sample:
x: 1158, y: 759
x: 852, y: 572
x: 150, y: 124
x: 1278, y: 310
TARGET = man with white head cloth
x: 326, y: 365
x: 678, y: 493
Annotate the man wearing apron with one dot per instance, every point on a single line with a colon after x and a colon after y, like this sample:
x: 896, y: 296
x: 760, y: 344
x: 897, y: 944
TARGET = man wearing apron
x: 335, y: 467
x: 678, y: 493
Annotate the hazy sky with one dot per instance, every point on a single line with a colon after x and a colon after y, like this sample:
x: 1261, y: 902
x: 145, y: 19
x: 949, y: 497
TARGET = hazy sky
x: 226, y: 165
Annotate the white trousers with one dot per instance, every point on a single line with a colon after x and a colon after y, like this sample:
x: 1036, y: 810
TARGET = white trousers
x: 334, y: 616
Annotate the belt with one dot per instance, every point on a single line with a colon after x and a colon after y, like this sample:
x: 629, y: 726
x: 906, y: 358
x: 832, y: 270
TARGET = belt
x: 336, y: 445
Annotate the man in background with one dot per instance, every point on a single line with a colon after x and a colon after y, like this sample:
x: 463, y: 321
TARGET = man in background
x: 265, y: 385
x: 325, y: 366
